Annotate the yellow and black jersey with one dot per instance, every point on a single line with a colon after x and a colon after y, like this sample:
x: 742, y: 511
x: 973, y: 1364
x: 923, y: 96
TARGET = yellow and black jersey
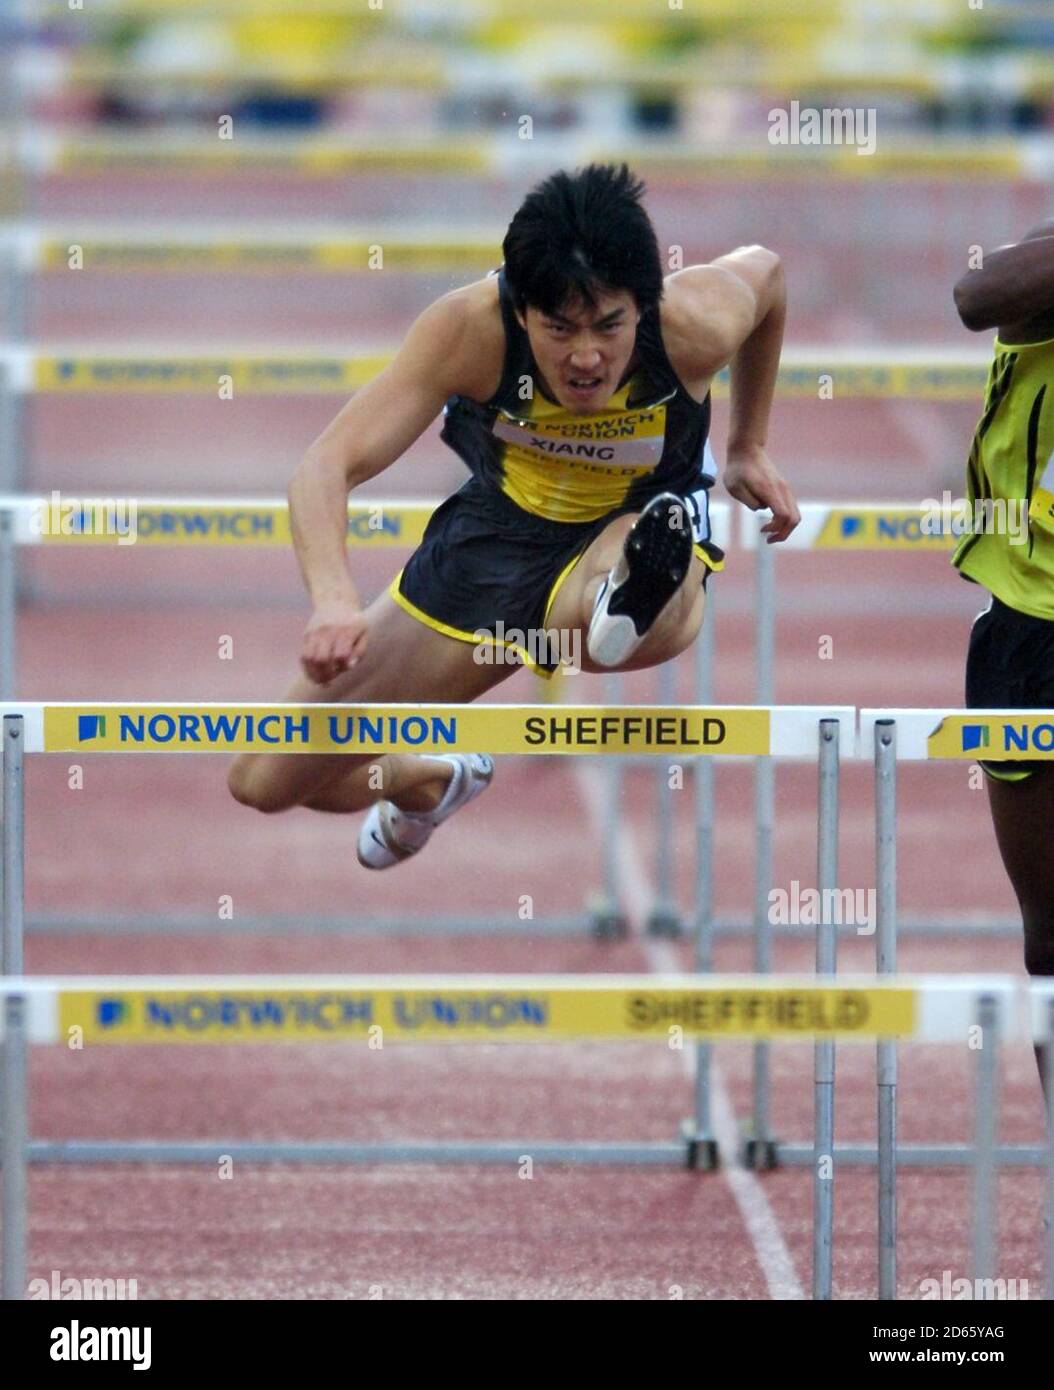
x: 1010, y: 482
x: 555, y: 463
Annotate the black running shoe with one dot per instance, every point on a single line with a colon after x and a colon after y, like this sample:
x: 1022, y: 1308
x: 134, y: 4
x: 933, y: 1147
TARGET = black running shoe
x: 650, y: 570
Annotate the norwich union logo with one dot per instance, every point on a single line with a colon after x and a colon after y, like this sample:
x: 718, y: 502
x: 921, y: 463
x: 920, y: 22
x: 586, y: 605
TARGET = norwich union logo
x: 91, y: 726
x: 110, y: 1012
x: 974, y: 736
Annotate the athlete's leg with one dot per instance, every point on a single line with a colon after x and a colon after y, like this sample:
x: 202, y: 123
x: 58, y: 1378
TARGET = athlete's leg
x: 405, y: 662
x: 674, y: 629
x: 1023, y: 815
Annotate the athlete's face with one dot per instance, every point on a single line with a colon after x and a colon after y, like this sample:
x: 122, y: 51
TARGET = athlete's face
x: 583, y: 350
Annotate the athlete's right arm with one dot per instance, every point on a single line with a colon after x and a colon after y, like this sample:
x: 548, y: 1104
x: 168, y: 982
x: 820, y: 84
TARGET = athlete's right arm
x: 1015, y: 283
x: 373, y: 429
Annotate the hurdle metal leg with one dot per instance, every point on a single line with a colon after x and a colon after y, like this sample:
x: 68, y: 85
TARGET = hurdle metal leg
x: 13, y: 844
x: 8, y: 603
x: 13, y: 853
x: 886, y: 964
x: 826, y: 964
x: 12, y: 462
x: 13, y: 1136
x: 608, y: 920
x: 664, y: 919
x: 760, y: 1149
x: 986, y: 1124
x: 702, y: 1144
x: 11, y: 419
x: 14, y: 287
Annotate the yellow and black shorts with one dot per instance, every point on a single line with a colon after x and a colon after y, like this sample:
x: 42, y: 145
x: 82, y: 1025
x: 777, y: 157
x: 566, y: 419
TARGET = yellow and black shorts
x: 486, y: 566
x: 1010, y: 665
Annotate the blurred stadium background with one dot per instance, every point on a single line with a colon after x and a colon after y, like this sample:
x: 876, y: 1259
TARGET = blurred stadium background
x: 190, y: 130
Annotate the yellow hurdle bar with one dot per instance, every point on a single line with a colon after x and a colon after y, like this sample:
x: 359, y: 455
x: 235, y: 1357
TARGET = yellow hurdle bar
x: 328, y: 158
x: 173, y: 254
x: 665, y: 730
x: 805, y: 373
x: 511, y: 1009
x: 63, y: 519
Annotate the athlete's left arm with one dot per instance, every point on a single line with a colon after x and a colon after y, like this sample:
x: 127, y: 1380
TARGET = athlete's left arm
x: 743, y: 302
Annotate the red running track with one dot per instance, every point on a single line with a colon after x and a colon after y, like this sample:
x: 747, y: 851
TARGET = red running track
x: 153, y: 836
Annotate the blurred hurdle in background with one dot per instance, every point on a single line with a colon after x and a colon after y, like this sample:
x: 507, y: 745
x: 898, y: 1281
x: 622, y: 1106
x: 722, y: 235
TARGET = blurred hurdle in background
x: 40, y: 154
x: 683, y: 91
x: 525, y: 1008
x: 878, y: 373
x: 28, y: 251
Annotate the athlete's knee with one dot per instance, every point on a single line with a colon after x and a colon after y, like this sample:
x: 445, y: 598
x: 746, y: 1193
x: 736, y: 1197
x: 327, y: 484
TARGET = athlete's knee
x: 250, y: 787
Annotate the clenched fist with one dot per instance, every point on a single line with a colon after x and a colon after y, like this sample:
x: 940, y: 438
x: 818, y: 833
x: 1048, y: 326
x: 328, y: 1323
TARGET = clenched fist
x: 334, y: 640
x: 752, y: 479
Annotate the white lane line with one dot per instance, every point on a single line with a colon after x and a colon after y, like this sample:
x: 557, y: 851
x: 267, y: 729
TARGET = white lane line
x: 749, y: 1195
x: 633, y: 880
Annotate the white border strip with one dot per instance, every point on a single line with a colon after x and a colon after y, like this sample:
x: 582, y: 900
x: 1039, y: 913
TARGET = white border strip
x: 795, y: 730
x: 947, y: 1003
x: 914, y: 727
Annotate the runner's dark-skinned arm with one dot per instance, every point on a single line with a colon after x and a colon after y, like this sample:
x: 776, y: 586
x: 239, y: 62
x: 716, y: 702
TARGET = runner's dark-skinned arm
x: 374, y: 428
x: 1014, y: 285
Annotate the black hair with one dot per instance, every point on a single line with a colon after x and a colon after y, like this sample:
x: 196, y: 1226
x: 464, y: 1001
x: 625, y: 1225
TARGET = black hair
x: 578, y: 233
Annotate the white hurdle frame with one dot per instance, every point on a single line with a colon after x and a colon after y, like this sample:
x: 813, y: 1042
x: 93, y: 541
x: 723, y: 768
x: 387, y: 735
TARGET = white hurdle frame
x: 991, y: 1015
x: 696, y: 1146
x: 943, y: 1008
x: 878, y: 526
x: 604, y: 919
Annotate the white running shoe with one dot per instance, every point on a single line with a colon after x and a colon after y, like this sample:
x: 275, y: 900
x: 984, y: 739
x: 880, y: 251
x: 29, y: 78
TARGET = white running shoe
x: 389, y: 835
x: 654, y: 561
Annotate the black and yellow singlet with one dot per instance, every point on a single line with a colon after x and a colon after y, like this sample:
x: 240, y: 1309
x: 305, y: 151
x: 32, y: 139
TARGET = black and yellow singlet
x: 1010, y: 479
x: 649, y: 438
x: 544, y: 483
